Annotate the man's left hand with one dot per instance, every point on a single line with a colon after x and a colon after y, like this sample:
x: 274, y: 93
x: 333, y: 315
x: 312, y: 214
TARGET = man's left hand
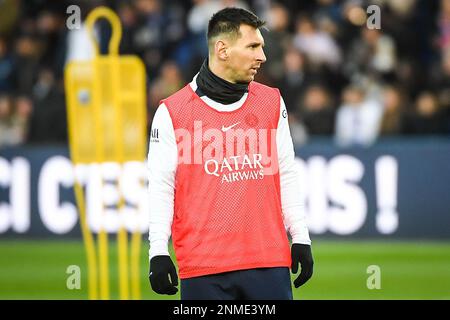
x: 301, y: 253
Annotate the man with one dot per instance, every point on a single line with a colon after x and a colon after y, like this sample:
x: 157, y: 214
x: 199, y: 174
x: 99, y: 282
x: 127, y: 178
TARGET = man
x: 222, y: 178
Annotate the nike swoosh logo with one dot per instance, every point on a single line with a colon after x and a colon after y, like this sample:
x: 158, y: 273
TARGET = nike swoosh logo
x: 228, y: 128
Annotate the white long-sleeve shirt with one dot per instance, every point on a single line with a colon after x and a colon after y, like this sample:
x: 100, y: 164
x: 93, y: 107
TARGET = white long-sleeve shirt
x: 162, y: 165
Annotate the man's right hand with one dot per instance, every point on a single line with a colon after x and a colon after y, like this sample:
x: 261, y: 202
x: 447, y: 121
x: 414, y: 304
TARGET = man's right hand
x: 160, y: 269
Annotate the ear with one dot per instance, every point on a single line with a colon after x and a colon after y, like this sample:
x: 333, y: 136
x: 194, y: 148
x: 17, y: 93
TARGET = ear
x: 221, y: 49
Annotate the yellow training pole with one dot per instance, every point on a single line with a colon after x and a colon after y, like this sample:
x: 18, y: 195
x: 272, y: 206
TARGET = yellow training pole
x: 135, y: 259
x: 113, y: 51
x: 122, y: 239
x: 102, y: 237
x: 122, y: 234
x: 88, y: 243
x: 104, y: 264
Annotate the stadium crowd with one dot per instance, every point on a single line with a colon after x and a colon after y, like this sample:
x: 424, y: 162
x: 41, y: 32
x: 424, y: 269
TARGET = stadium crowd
x: 338, y: 77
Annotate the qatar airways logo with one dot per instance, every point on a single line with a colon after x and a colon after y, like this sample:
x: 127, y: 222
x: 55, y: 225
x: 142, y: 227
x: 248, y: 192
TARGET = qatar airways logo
x: 233, y: 169
x: 229, y: 151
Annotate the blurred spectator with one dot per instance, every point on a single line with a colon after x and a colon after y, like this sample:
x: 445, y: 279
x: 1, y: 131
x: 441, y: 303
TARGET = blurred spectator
x: 195, y: 48
x: 441, y: 81
x: 200, y: 14
x: 297, y: 129
x: 27, y: 57
x: 444, y: 26
x: 52, y: 41
x: 352, y: 17
x: 6, y: 134
x: 427, y: 116
x: 317, y: 111
x: 319, y: 46
x: 358, y: 119
x: 401, y: 8
x: 442, y: 86
x: 48, y: 121
x: 21, y: 118
x: 277, y: 40
x: 294, y: 79
x: 167, y: 83
x: 149, y: 36
x: 374, y: 53
x: 128, y: 18
x: 165, y: 22
x: 382, y: 50
x: 175, y: 30
x: 5, y: 119
x: 393, y: 108
x: 6, y: 67
x: 328, y: 15
x: 400, y: 22
x: 203, y: 10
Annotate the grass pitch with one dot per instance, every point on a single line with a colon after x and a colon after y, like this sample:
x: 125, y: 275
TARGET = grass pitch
x: 408, y: 270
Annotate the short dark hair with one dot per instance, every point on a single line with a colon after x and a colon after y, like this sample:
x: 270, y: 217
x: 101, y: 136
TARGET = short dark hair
x: 229, y: 20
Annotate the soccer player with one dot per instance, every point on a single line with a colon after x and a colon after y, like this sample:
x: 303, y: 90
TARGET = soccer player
x: 222, y: 178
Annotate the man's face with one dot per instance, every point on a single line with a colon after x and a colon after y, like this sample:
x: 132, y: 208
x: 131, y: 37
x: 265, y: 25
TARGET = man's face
x: 245, y: 55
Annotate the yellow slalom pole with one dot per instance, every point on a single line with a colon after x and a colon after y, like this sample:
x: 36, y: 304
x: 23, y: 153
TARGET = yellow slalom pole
x: 88, y: 243
x: 122, y: 238
x: 122, y: 235
x: 135, y: 259
x: 104, y: 264
x: 102, y: 235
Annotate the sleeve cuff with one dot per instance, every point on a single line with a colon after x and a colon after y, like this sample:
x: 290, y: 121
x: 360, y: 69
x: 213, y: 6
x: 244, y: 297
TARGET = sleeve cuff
x: 158, y: 248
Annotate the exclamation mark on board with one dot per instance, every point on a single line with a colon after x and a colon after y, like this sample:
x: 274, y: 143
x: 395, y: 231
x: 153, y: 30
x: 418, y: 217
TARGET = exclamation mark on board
x: 386, y: 173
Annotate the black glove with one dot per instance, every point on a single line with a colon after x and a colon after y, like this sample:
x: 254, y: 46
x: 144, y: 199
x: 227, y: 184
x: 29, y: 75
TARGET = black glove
x: 302, y: 253
x: 160, y: 269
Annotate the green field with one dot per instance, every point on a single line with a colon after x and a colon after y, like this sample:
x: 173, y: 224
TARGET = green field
x: 409, y: 270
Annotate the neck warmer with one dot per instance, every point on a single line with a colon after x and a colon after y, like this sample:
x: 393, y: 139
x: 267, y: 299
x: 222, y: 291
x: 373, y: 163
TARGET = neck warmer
x: 218, y: 89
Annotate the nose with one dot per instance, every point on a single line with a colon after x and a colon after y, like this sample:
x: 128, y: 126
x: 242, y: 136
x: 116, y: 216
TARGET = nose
x: 261, y: 56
